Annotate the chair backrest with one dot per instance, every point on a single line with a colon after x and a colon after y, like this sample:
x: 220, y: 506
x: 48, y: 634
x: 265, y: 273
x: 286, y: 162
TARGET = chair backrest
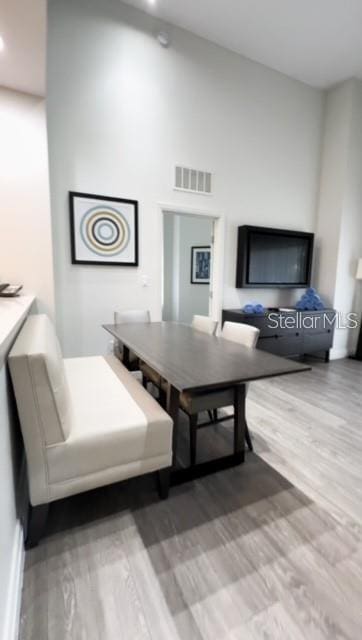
x: 41, y: 391
x: 243, y: 334
x: 205, y: 324
x: 132, y: 315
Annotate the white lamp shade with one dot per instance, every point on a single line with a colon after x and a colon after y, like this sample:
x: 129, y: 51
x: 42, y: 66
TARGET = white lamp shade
x: 359, y: 270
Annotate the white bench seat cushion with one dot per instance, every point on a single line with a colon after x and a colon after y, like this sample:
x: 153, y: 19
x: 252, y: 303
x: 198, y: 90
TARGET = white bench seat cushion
x: 114, y: 421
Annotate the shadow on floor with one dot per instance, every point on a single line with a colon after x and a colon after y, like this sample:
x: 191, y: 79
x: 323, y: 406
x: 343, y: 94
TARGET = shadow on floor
x: 228, y: 494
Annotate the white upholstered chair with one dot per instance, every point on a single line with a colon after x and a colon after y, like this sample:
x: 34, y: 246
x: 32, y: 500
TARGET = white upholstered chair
x: 132, y: 315
x: 243, y: 334
x: 204, y: 324
x: 86, y: 422
x: 129, y: 316
x: 193, y: 404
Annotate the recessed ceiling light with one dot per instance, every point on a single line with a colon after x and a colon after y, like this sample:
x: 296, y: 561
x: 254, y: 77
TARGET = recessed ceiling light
x: 2, y: 44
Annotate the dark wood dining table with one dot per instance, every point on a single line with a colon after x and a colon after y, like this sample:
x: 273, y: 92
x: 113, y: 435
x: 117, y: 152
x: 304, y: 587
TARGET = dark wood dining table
x: 194, y: 362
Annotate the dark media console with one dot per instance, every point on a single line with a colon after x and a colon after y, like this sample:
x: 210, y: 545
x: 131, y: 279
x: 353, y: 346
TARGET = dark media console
x: 290, y: 333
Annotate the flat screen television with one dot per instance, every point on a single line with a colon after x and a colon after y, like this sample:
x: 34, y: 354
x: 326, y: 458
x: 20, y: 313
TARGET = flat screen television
x: 273, y: 258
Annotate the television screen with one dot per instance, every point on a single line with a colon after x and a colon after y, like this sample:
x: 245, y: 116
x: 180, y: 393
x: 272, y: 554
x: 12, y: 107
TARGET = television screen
x: 273, y: 258
x: 277, y: 259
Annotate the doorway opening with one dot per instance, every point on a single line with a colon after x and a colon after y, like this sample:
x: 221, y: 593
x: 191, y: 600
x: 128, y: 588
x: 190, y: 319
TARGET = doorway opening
x: 188, y: 266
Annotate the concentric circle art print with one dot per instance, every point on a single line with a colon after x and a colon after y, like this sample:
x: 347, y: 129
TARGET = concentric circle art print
x: 104, y: 230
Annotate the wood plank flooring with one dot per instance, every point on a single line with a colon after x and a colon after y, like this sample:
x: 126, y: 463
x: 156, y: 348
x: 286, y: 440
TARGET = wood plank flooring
x: 271, y: 550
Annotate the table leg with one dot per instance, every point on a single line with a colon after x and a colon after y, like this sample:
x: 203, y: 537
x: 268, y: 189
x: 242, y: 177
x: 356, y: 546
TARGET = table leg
x: 200, y: 470
x: 239, y: 421
x: 173, y: 410
x: 126, y: 358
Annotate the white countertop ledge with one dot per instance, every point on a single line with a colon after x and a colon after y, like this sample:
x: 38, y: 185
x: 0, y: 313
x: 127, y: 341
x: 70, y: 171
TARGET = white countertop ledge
x: 13, y: 312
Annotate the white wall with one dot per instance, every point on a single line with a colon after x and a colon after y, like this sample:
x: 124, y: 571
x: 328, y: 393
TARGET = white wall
x: 350, y: 247
x: 122, y: 111
x: 339, y: 225
x: 181, y: 299
x: 25, y: 233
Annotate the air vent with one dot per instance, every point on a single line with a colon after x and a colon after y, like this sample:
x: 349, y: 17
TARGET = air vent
x: 193, y: 180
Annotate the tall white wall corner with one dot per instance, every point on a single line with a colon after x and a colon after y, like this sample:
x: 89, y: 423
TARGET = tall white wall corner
x: 339, y: 221
x: 25, y: 219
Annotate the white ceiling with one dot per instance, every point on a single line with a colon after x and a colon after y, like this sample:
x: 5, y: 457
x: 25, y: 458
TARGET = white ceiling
x: 23, y: 28
x: 316, y: 41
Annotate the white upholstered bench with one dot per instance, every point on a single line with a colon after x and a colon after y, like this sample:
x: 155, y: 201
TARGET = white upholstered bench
x: 86, y: 422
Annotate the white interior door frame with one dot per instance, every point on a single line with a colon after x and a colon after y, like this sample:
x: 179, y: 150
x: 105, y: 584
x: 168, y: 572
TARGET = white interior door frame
x: 217, y: 273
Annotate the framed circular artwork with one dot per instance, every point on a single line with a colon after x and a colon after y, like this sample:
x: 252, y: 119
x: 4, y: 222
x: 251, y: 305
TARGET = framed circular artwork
x: 104, y: 230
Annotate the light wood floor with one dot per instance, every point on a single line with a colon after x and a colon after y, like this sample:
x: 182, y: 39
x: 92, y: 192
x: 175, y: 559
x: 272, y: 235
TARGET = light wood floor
x: 269, y: 550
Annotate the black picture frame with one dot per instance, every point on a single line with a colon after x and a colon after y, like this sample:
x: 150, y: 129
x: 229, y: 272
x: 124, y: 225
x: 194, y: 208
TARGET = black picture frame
x: 98, y: 262
x: 194, y: 251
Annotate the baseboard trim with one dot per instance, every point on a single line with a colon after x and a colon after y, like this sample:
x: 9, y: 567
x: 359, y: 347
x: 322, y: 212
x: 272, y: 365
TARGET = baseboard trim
x: 339, y: 354
x: 13, y: 605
